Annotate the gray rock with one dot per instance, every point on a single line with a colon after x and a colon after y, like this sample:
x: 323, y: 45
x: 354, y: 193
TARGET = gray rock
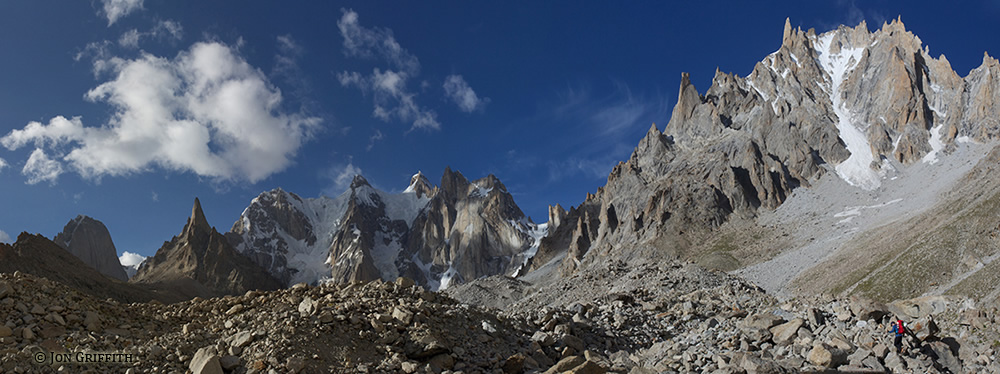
x: 295, y: 364
x: 784, y: 333
x: 402, y: 315
x: 566, y: 364
x: 241, y: 339
x: 543, y: 338
x: 942, y: 354
x: 5, y: 289
x: 205, y: 361
x: 825, y: 356
x: 236, y: 309
x: 307, y: 307
x: 229, y: 362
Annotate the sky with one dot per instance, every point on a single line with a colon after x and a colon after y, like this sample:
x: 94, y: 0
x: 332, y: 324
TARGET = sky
x: 126, y: 110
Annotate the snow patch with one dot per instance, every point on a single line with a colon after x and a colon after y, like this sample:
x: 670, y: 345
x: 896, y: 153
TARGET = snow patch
x: 849, y: 213
x: 130, y: 262
x: 447, y: 277
x: 936, y: 145
x: 856, y: 170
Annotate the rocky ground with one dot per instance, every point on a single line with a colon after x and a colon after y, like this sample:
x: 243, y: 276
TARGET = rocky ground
x: 647, y: 319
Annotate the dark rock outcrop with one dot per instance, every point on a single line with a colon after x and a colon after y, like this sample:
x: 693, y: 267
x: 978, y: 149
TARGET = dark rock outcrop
x: 201, y: 262
x: 89, y: 240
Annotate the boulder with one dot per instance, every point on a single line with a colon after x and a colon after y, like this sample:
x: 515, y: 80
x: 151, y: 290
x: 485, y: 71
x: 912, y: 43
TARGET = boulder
x: 205, y: 361
x: 943, y: 356
x: 826, y: 356
x: 784, y: 333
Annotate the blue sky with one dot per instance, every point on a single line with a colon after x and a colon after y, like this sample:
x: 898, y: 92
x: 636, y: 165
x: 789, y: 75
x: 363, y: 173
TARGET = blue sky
x: 125, y: 110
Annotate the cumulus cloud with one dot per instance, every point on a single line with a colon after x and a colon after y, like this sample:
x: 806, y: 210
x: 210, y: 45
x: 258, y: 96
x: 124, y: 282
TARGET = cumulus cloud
x: 131, y: 259
x: 41, y: 168
x: 116, y: 9
x: 388, y: 87
x: 3, y: 164
x: 459, y: 91
x: 4, y: 238
x: 206, y: 111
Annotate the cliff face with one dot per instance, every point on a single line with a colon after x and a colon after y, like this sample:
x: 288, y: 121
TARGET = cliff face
x: 438, y: 236
x: 89, y: 240
x: 856, y: 103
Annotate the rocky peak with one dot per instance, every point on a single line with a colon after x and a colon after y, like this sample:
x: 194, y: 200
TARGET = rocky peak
x: 358, y: 182
x: 453, y: 183
x: 197, y: 221
x: 556, y: 216
x: 420, y: 185
x: 89, y: 240
x: 201, y: 262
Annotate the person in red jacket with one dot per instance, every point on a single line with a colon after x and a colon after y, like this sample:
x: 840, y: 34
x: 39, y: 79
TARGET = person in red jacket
x: 899, y: 329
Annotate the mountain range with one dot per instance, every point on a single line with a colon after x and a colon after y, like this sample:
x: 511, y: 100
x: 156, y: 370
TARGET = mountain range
x: 825, y: 128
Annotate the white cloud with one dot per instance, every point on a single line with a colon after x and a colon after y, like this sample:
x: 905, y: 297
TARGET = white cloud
x: 130, y: 39
x: 459, y: 91
x: 367, y: 43
x: 371, y: 140
x: 40, y: 168
x: 3, y: 164
x: 168, y: 30
x: 130, y: 259
x: 116, y: 9
x: 341, y: 177
x: 392, y: 99
x: 156, y: 196
x: 4, y: 238
x: 206, y: 111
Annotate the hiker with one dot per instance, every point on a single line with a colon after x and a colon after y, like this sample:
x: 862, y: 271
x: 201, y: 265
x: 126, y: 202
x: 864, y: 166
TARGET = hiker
x: 899, y: 329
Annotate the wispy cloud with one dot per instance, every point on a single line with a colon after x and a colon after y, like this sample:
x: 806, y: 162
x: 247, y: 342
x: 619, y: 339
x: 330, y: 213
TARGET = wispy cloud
x: 340, y: 177
x: 601, y: 130
x: 116, y: 9
x: 168, y: 30
x: 388, y: 87
x: 206, y: 111
x: 155, y: 196
x: 363, y: 42
x: 4, y: 238
x: 459, y: 91
x: 374, y: 138
x: 3, y: 164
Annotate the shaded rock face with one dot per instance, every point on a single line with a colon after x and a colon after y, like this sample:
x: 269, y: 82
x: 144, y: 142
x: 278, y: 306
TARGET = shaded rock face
x: 89, y: 240
x: 201, y: 262
x: 437, y: 236
x: 39, y: 256
x: 848, y: 101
